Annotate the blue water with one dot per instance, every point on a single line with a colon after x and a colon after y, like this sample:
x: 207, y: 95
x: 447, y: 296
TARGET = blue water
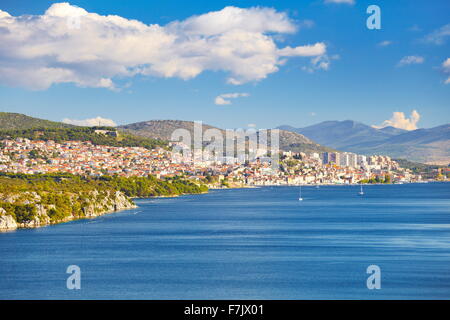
x: 244, y: 244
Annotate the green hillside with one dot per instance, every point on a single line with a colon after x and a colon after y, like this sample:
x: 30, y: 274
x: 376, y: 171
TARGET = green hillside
x: 111, y: 138
x: 12, y: 121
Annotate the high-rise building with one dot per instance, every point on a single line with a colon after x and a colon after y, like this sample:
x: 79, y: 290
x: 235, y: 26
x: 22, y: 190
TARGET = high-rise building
x: 344, y: 159
x: 361, y: 160
x: 335, y: 158
x: 352, y: 160
x: 325, y: 157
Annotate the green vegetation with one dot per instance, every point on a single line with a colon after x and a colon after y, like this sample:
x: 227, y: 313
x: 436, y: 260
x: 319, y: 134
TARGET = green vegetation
x: 225, y: 183
x: 62, y: 194
x: 290, y: 163
x: 142, y: 187
x: 20, y: 212
x: 65, y: 195
x: 427, y: 171
x: 14, y: 121
x: 84, y: 134
x: 64, y: 182
x: 377, y: 179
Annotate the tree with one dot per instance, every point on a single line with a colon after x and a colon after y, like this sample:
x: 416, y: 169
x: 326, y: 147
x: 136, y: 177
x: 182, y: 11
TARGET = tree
x: 33, y: 154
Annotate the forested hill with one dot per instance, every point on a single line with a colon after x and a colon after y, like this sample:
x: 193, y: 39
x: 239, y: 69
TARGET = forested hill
x: 11, y: 121
x: 97, y: 135
x: 28, y: 201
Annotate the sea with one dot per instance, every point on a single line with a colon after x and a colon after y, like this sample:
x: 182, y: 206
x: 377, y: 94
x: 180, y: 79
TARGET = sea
x: 253, y: 243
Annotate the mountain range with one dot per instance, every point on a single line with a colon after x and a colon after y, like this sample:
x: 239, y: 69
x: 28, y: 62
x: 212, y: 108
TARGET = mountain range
x: 157, y: 129
x: 430, y: 146
x: 162, y: 129
x: 421, y: 145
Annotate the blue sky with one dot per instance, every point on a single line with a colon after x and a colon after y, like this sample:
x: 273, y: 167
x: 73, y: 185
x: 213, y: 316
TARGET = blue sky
x: 363, y: 80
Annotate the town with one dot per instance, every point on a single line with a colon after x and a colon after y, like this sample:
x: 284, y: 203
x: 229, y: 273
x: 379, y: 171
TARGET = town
x: 26, y: 156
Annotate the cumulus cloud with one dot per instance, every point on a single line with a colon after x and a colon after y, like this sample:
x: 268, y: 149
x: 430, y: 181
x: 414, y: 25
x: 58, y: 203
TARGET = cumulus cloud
x: 446, y: 69
x: 385, y: 43
x: 98, y: 121
x: 399, y: 120
x: 410, y: 60
x: 321, y: 62
x: 317, y: 49
x: 340, y: 1
x: 438, y: 36
x: 224, y: 99
x: 67, y: 44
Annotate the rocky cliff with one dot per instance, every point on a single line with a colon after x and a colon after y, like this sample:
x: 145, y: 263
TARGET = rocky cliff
x: 38, y: 213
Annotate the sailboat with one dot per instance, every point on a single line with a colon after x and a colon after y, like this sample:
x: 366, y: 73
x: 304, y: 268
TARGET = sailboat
x: 361, y: 192
x: 300, y: 194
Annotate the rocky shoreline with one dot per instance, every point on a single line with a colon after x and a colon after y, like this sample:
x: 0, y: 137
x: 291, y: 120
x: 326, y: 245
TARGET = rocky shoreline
x: 108, y: 203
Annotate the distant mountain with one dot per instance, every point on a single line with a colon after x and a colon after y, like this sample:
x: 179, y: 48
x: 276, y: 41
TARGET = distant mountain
x: 392, y: 131
x: 422, y: 145
x: 14, y: 121
x: 162, y: 129
x: 340, y: 134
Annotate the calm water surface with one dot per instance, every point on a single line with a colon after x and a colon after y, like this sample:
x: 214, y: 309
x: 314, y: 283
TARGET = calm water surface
x: 244, y: 244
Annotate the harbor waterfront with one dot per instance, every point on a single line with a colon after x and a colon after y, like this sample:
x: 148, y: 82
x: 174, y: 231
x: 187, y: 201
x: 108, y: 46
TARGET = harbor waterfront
x: 252, y: 243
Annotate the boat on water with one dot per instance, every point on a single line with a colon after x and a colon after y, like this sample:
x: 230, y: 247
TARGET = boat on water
x: 361, y: 192
x: 300, y: 194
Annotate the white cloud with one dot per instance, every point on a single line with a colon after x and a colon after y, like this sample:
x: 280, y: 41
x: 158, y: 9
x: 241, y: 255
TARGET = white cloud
x: 446, y: 69
x: 321, y: 62
x: 42, y: 50
x: 317, y: 49
x: 446, y: 64
x: 306, y: 24
x: 410, y: 60
x: 415, y: 28
x: 385, y: 43
x: 340, y: 1
x: 98, y: 121
x: 223, y: 99
x: 399, y: 120
x: 438, y: 36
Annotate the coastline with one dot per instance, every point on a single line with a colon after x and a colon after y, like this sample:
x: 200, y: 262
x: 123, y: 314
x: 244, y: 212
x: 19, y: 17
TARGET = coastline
x: 112, y: 202
x: 122, y: 202
x: 8, y: 224
x: 169, y: 196
x: 21, y: 227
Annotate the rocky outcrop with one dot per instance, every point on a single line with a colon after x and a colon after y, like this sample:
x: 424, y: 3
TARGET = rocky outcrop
x: 113, y: 202
x: 97, y: 205
x: 7, y: 222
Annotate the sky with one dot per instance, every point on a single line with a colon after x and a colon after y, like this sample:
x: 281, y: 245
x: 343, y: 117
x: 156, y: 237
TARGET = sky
x: 231, y: 64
